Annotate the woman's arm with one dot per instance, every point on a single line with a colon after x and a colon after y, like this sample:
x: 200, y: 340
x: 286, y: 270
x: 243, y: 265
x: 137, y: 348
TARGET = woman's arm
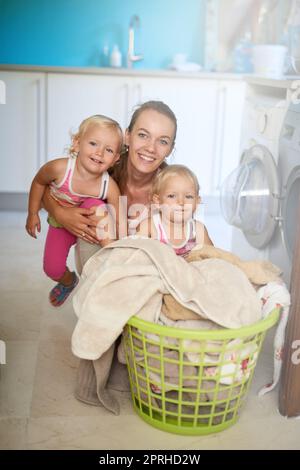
x: 145, y: 228
x: 202, y: 237
x: 76, y: 220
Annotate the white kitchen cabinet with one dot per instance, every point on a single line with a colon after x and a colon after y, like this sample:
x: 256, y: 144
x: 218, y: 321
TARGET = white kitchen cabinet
x: 230, y: 108
x: 73, y: 97
x: 22, y: 129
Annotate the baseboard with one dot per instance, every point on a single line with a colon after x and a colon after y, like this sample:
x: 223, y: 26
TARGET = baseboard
x: 13, y: 201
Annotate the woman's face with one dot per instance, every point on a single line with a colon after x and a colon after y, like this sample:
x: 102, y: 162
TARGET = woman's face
x: 150, y: 141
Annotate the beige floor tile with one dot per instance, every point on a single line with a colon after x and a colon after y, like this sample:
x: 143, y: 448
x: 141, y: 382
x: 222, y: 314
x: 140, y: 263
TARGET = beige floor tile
x: 20, y: 315
x: 53, y: 393
x: 286, y: 437
x: 102, y: 432
x: 57, y: 323
x: 17, y: 377
x: 13, y: 433
x: 208, y: 442
x: 22, y: 274
x: 141, y: 435
x: 70, y: 433
x: 19, y: 242
x: 254, y: 433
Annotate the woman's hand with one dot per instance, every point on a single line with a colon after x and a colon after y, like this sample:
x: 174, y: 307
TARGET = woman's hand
x: 79, y: 221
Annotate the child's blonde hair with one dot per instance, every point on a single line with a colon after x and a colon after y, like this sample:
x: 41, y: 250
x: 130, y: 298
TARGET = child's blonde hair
x: 99, y: 120
x: 173, y: 170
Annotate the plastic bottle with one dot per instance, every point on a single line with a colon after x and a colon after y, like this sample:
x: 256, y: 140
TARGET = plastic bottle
x: 105, y: 56
x: 242, y: 55
x: 116, y: 57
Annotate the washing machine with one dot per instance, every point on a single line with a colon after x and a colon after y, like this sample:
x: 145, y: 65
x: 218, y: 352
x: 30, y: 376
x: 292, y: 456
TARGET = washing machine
x: 260, y: 198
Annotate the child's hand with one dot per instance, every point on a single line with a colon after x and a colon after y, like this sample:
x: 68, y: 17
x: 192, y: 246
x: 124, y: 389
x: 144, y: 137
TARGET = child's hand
x: 32, y: 223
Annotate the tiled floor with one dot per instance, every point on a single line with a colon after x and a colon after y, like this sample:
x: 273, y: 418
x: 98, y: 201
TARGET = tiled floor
x: 37, y: 406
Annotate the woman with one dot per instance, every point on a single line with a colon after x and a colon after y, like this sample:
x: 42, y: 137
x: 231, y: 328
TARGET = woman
x: 149, y: 139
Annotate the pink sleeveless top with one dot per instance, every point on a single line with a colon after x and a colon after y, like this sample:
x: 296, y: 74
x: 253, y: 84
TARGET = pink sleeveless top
x: 188, y: 244
x: 64, y: 194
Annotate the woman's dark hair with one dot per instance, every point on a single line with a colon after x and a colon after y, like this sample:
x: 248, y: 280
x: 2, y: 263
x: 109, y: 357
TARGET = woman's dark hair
x: 119, y: 170
x: 158, y: 106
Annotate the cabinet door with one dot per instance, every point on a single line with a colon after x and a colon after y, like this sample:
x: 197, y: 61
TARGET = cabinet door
x: 74, y: 97
x: 194, y: 104
x: 230, y: 108
x: 21, y: 129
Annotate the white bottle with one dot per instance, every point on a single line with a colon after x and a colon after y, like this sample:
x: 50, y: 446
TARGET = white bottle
x: 116, y: 57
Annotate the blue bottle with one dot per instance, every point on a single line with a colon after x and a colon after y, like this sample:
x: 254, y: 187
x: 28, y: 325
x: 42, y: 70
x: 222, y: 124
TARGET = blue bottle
x: 242, y: 56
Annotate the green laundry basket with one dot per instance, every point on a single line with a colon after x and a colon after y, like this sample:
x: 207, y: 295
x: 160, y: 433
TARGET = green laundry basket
x: 189, y: 381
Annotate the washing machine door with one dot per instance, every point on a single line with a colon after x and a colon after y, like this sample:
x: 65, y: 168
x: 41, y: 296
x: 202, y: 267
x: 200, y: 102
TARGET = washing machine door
x: 290, y: 210
x: 250, y: 196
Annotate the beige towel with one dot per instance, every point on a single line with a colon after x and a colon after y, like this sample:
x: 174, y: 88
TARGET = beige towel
x: 175, y: 311
x: 258, y: 272
x: 95, y: 379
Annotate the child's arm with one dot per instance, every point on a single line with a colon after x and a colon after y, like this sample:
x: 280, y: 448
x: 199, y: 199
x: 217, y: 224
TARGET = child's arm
x: 47, y: 173
x: 202, y: 237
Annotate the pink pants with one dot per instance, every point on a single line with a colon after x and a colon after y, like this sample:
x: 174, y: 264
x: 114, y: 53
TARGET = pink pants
x: 58, y: 244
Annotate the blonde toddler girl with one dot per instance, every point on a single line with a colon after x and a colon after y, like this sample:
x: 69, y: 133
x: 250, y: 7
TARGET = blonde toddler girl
x: 79, y: 180
x: 175, y: 194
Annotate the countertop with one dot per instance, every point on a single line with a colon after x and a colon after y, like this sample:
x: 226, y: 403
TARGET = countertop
x: 122, y: 72
x: 286, y: 81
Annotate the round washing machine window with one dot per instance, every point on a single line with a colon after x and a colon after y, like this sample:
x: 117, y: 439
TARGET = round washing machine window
x: 290, y: 210
x: 254, y: 199
x: 249, y: 196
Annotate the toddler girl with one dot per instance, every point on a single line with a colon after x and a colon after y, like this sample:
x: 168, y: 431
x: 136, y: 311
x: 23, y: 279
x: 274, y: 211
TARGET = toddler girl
x: 79, y: 180
x: 175, y: 193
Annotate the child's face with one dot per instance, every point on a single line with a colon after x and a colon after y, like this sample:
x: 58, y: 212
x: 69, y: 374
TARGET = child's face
x: 98, y: 148
x: 177, y: 199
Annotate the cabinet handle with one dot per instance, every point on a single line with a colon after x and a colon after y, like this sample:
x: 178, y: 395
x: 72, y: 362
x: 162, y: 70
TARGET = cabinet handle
x: 126, y: 105
x: 139, y: 93
x: 38, y: 122
x: 219, y: 138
